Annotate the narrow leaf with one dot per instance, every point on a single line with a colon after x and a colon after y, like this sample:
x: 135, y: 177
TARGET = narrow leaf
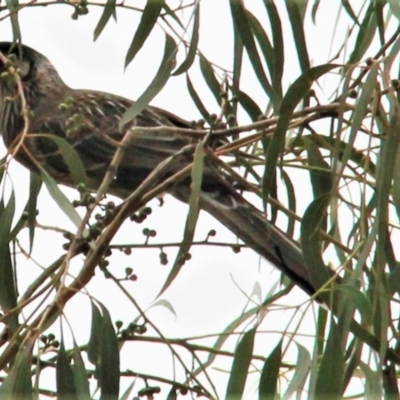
x: 240, y: 20
x: 209, y: 77
x: 109, y: 373
x: 13, y: 7
x: 199, y: 104
x: 147, y: 21
x: 60, y: 198
x: 66, y: 389
x: 331, y: 371
x: 302, y: 369
x: 71, y: 158
x: 240, y: 366
x: 18, y: 384
x: 8, y: 290
x: 108, y: 12
x: 167, y: 65
x: 80, y: 375
x: 297, y: 91
x: 296, y: 22
x: 270, y: 374
x: 95, y: 335
x: 310, y: 241
x: 191, y: 220
x: 187, y: 63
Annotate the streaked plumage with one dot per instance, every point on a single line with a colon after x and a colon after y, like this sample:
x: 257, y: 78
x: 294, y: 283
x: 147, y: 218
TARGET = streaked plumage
x: 85, y: 118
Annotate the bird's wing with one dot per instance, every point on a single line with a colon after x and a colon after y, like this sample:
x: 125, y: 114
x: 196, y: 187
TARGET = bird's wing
x: 90, y: 123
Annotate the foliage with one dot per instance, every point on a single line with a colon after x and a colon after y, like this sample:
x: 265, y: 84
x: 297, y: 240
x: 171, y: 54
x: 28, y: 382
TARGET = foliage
x: 335, y: 123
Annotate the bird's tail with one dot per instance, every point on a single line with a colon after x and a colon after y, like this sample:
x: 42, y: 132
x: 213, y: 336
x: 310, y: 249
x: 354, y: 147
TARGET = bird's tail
x: 250, y: 225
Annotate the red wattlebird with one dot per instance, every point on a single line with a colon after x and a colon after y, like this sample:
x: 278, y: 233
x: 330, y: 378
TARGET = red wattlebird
x: 90, y: 123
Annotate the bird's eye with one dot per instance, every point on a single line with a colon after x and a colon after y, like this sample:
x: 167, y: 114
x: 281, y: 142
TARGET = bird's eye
x: 22, y: 68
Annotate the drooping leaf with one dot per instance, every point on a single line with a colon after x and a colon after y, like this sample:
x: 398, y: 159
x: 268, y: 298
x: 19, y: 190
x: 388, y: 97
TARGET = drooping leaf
x: 147, y: 21
x: 13, y: 6
x: 187, y: 63
x: 197, y: 101
x: 296, y: 92
x: 209, y: 77
x: 331, y: 371
x: 108, y: 367
x: 270, y: 374
x: 95, y: 335
x: 240, y: 366
x: 167, y: 65
x: 297, y: 25
x: 240, y: 20
x: 18, y: 383
x: 108, y: 12
x: 60, y: 198
x: 8, y: 290
x: 66, y: 389
x: 191, y: 220
x: 80, y: 375
x: 301, y: 372
x: 71, y: 158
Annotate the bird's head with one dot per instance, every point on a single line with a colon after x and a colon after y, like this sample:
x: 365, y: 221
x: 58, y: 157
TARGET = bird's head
x: 36, y: 73
x: 28, y: 81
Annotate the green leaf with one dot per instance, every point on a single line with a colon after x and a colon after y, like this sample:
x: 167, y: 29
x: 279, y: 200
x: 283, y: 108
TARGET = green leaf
x: 187, y: 63
x: 71, y: 158
x: 30, y: 210
x: 240, y: 366
x: 108, y: 12
x: 395, y: 8
x: 109, y: 373
x: 331, y: 371
x: 320, y: 333
x: 66, y: 389
x: 95, y: 335
x: 60, y: 198
x: 128, y: 391
x: 270, y: 374
x: 191, y: 220
x: 199, y: 104
x: 172, y: 395
x: 161, y: 78
x: 365, y: 36
x: 373, y: 380
x: 80, y: 375
x: 296, y: 22
x: 320, y: 175
x: 18, y: 384
x: 278, y: 46
x: 249, y: 105
x: 103, y: 352
x: 8, y: 290
x: 347, y: 7
x: 13, y: 8
x: 35, y: 184
x: 241, y: 22
x: 209, y: 77
x: 296, y: 92
x: 310, y: 241
x: 147, y: 21
x: 358, y: 300
x: 362, y: 105
x: 302, y: 369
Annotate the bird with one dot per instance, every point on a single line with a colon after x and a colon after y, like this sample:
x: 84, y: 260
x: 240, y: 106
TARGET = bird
x: 90, y: 122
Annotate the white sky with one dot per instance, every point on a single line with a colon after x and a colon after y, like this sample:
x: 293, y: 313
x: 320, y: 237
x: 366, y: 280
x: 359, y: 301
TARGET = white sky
x: 205, y: 296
